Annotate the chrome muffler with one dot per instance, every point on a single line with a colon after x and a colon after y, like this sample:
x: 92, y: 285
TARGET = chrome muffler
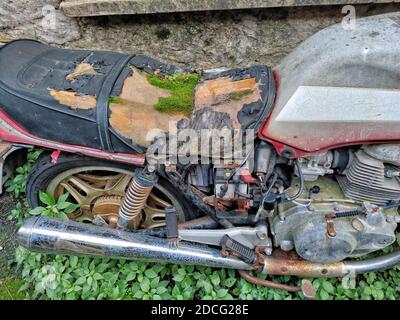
x: 47, y: 235
x: 53, y: 236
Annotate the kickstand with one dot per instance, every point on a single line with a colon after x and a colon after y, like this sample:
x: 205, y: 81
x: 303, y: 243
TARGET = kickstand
x: 306, y: 285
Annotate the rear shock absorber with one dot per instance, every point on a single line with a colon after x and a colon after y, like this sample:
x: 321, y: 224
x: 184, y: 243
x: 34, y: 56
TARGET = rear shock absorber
x: 135, y: 198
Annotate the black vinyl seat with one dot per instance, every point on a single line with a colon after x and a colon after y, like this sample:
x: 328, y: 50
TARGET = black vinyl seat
x: 29, y: 70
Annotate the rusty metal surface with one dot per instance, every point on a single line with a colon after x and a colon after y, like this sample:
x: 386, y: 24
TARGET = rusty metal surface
x: 6, y: 169
x: 4, y: 147
x: 203, y: 222
x: 283, y: 263
x: 266, y: 283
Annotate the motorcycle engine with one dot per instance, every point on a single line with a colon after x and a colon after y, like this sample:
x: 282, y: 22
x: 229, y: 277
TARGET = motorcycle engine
x: 352, y: 213
x: 348, y: 207
x: 327, y: 232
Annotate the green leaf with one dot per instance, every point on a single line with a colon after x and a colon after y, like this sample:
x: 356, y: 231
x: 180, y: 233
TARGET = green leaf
x: 229, y: 282
x: 73, y: 261
x: 46, y: 198
x: 62, y: 216
x: 145, y: 285
x: 97, y: 276
x: 221, y: 293
x: 154, y: 283
x: 47, y: 213
x: 179, y: 277
x: 63, y: 205
x: 80, y: 280
x: 215, y: 279
x: 324, y: 295
x: 71, y: 208
x: 208, y: 287
x: 37, y: 211
x: 131, y: 276
x: 328, y: 287
x: 62, y: 199
x: 150, y: 274
x: 247, y: 288
x: 176, y: 292
x: 161, y: 290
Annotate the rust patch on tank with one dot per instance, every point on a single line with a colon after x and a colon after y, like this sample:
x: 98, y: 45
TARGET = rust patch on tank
x: 133, y: 114
x: 80, y: 70
x: 71, y: 99
x: 226, y: 95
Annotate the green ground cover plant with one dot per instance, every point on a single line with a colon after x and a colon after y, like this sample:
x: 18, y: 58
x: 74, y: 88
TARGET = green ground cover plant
x: 9, y: 288
x: 70, y: 277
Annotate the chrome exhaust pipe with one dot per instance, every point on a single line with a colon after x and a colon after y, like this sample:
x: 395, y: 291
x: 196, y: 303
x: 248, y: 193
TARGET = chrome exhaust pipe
x: 47, y: 235
x: 53, y: 236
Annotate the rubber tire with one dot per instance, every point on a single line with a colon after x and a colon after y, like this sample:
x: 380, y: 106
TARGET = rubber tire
x: 44, y: 171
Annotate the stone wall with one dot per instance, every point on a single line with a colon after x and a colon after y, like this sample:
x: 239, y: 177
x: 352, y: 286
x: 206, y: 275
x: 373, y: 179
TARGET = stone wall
x: 198, y: 40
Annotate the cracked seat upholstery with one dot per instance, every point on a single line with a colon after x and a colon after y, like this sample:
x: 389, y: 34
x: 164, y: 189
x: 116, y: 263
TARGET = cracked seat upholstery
x: 98, y: 99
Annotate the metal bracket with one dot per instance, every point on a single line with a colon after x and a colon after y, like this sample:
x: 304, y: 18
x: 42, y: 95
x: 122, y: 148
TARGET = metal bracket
x: 249, y: 237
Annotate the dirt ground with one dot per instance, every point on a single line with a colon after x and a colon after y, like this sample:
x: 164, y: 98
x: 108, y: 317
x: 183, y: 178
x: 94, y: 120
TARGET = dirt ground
x: 7, y: 233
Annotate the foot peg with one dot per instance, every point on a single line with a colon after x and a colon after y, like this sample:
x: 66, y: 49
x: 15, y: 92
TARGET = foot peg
x: 171, y: 221
x: 235, y: 248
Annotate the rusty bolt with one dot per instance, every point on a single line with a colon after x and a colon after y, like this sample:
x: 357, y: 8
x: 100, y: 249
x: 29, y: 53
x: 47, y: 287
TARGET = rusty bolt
x: 262, y: 235
x: 330, y: 228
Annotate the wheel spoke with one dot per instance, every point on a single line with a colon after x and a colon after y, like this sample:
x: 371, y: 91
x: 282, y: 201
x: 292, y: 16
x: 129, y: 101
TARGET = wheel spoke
x: 80, y: 199
x: 83, y: 186
x: 153, y: 217
x: 154, y: 201
x: 121, y: 185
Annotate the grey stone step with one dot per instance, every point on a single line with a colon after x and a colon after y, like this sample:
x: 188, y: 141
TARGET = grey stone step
x: 85, y: 8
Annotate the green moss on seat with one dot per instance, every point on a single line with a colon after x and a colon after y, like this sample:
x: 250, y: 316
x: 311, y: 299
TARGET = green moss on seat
x: 239, y: 95
x: 182, y: 88
x: 115, y: 100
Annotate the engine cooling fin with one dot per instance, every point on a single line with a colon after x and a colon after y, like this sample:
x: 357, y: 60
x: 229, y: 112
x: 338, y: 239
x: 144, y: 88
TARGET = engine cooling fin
x: 366, y: 181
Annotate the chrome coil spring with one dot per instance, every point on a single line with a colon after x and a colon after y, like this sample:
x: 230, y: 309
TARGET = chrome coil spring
x: 135, y: 198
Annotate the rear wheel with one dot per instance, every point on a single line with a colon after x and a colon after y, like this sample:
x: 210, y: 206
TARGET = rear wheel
x: 98, y: 187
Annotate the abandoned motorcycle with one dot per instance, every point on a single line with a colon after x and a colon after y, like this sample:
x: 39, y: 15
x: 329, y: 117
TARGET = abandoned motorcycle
x: 319, y: 185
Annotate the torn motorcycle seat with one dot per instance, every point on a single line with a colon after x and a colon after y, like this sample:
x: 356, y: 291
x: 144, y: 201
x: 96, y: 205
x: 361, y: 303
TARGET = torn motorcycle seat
x: 102, y: 99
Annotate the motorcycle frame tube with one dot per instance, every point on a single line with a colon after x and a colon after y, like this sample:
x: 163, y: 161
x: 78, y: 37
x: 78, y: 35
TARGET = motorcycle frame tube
x: 13, y: 133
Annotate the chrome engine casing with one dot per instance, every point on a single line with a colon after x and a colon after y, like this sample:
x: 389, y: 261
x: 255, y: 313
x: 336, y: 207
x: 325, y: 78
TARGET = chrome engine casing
x: 304, y: 227
x: 306, y: 231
